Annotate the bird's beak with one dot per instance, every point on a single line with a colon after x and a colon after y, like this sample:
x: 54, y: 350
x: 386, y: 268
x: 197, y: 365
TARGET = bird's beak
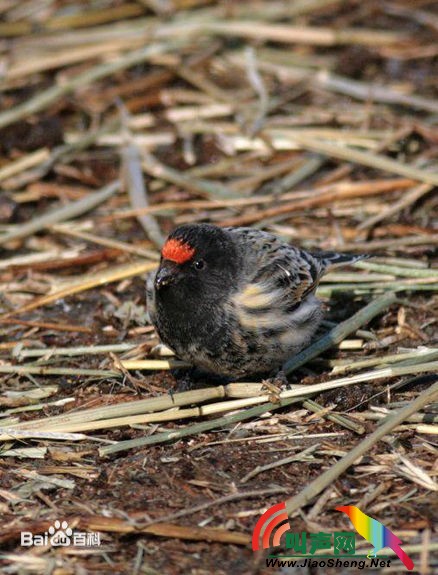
x: 166, y: 274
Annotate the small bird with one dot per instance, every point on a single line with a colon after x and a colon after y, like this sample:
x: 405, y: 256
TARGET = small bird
x: 376, y: 533
x: 236, y: 302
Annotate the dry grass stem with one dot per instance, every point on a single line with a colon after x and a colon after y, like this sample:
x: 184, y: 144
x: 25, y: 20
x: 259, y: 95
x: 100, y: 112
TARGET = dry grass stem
x: 314, y: 120
x: 329, y: 476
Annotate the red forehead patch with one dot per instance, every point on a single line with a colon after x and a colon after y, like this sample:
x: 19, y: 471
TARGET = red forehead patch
x: 177, y: 251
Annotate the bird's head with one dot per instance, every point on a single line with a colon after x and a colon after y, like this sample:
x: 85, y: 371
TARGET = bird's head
x: 197, y: 260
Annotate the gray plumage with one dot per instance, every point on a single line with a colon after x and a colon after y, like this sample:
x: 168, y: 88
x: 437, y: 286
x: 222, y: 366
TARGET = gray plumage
x: 250, y: 307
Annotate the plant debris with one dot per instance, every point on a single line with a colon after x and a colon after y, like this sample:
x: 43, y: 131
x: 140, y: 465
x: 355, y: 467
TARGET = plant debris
x: 120, y: 120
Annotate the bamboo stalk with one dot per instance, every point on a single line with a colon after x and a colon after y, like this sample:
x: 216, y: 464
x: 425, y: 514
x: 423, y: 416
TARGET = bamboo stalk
x: 315, y: 196
x: 44, y: 325
x: 320, y: 197
x: 284, y: 398
x: 70, y: 55
x: 174, y: 435
x: 44, y: 370
x: 248, y: 394
x: 63, y: 152
x: 71, y: 210
x: 131, y: 525
x: 340, y: 332
x: 376, y: 287
x: 129, y: 408
x: 116, y: 525
x: 111, y: 243
x: 392, y: 244
x: 68, y: 21
x: 327, y: 80
x: 422, y: 354
x: 7, y: 433
x: 16, y: 431
x: 24, y: 163
x: 79, y: 350
x: 406, y: 200
x: 335, y: 417
x: 367, y: 159
x: 316, y: 36
x: 155, y: 168
x: 427, y: 418
x: 132, y: 172
x: 243, y: 390
x: 399, y: 271
x: 304, y: 455
x: 49, y: 96
x: 329, y: 477
x: 107, y: 276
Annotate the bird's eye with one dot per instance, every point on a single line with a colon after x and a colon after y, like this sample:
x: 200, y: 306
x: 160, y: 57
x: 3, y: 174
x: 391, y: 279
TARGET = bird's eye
x: 199, y: 264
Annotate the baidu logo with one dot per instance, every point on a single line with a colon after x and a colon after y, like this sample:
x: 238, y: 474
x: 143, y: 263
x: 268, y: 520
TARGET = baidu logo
x: 60, y: 535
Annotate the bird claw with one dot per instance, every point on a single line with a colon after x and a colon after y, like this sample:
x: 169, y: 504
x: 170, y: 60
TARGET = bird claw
x: 275, y: 385
x: 192, y: 378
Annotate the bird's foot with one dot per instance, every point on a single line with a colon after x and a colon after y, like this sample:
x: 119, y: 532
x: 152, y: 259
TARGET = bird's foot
x: 280, y: 379
x: 189, y: 379
x: 275, y: 385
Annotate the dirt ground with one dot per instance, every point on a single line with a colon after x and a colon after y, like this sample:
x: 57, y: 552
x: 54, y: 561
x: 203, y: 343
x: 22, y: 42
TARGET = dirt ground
x: 314, y: 120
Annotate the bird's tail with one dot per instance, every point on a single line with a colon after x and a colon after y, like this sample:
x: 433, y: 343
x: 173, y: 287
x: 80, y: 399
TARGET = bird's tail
x: 407, y: 561
x: 331, y: 259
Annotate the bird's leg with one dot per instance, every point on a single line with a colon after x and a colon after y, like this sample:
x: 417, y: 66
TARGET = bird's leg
x: 280, y: 379
x: 185, y: 379
x: 275, y: 385
x: 372, y: 554
x: 188, y: 379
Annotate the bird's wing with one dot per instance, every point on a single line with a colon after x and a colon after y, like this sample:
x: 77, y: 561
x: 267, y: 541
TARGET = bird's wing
x: 277, y: 275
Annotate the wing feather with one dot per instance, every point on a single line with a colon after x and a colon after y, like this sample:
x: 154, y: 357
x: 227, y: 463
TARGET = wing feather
x: 278, y: 279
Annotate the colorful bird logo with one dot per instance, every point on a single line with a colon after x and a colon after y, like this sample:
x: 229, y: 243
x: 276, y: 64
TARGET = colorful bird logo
x: 376, y: 533
x: 271, y: 525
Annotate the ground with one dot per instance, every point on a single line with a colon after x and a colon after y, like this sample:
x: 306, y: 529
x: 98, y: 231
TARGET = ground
x: 316, y: 121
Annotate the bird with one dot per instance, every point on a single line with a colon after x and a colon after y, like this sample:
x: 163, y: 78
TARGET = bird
x: 376, y: 533
x: 236, y: 302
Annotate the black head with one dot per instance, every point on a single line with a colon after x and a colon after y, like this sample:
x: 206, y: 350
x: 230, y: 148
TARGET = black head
x: 197, y: 260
